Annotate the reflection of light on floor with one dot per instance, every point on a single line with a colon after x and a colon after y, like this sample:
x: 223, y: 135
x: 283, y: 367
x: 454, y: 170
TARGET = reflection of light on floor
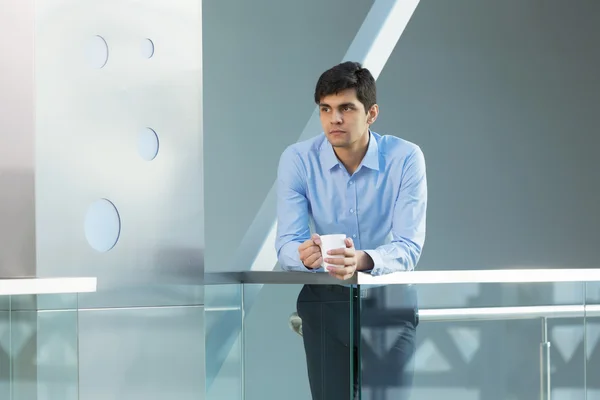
x: 429, y: 358
x: 467, y: 341
x: 566, y: 339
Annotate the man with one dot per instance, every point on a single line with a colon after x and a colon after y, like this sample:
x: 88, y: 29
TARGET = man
x: 373, y: 189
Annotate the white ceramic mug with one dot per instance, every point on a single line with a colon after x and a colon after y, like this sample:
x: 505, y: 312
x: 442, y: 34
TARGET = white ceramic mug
x: 332, y: 242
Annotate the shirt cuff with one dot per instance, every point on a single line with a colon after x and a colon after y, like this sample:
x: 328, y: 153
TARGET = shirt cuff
x: 295, y: 267
x: 302, y: 268
x: 289, y: 262
x: 378, y: 263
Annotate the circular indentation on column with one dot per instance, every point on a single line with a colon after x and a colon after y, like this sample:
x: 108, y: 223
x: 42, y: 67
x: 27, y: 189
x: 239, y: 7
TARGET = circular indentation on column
x: 147, y: 144
x: 102, y: 225
x: 147, y: 48
x: 97, y: 52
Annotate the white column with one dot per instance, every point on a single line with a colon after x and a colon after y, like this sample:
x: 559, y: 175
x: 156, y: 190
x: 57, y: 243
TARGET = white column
x: 17, y: 133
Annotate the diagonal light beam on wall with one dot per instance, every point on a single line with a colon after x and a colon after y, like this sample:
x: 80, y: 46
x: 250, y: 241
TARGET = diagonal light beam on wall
x: 372, y: 46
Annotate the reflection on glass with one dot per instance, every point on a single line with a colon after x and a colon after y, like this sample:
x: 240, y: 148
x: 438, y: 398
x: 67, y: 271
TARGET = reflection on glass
x: 387, y: 335
x: 491, y: 344
x: 42, y: 348
x: 5, y: 372
x: 592, y: 340
x: 223, y: 330
x: 283, y: 361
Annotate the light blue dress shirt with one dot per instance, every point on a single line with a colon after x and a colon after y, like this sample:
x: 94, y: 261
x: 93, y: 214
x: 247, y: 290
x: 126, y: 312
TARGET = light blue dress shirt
x: 382, y: 206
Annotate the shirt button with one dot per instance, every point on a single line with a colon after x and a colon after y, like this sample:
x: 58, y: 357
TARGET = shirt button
x: 351, y: 182
x: 351, y: 211
x: 354, y: 235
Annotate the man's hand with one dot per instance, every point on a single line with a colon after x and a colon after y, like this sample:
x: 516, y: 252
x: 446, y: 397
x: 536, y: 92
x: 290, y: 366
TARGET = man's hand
x: 310, y: 252
x: 346, y: 266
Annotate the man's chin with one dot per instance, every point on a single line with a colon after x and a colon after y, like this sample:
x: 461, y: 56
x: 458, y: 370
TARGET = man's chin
x: 338, y: 142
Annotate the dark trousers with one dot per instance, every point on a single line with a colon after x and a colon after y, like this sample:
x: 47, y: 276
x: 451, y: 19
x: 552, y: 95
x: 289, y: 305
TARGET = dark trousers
x: 354, y: 343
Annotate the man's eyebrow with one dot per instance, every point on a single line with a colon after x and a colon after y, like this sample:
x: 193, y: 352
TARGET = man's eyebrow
x: 340, y: 106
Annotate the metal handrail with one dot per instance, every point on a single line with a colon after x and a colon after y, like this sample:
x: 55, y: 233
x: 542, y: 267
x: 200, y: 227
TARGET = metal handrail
x: 488, y: 313
x: 509, y: 313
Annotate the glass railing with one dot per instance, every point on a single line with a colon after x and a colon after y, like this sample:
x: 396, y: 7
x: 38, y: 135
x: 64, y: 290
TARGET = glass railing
x: 39, y: 337
x: 453, y: 335
x: 143, y: 338
x: 591, y: 340
x: 63, y: 339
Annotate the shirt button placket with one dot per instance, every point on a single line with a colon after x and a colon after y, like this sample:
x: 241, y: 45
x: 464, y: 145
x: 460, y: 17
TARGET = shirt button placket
x: 354, y: 212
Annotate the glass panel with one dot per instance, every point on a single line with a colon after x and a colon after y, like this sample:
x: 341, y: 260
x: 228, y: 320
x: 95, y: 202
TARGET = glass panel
x: 475, y: 341
x: 147, y: 294
x: 45, y: 302
x: 387, y: 341
x: 592, y: 340
x: 223, y: 328
x: 142, y: 353
x: 298, y: 342
x: 43, y: 348
x: 5, y: 372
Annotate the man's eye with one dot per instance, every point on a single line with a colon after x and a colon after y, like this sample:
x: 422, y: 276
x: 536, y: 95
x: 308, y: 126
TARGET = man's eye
x: 324, y: 109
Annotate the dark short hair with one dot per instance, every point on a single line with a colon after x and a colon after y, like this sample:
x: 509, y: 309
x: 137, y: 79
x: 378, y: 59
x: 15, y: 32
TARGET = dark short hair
x: 348, y: 75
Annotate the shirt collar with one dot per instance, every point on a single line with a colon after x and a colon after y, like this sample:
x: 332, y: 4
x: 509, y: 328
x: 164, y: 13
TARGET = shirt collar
x: 370, y: 160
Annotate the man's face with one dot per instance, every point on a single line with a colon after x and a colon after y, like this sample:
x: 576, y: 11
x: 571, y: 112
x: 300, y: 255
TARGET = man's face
x: 344, y: 118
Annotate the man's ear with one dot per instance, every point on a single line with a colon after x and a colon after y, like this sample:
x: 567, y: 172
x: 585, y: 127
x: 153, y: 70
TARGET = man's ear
x: 372, y: 114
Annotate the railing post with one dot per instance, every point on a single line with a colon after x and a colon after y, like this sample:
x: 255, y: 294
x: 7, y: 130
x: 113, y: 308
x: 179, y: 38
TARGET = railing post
x: 545, y: 393
x: 243, y: 342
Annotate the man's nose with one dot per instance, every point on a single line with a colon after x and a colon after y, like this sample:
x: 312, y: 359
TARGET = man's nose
x: 336, y: 117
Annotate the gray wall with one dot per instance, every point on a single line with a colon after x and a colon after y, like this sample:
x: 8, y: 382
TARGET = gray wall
x: 503, y: 99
